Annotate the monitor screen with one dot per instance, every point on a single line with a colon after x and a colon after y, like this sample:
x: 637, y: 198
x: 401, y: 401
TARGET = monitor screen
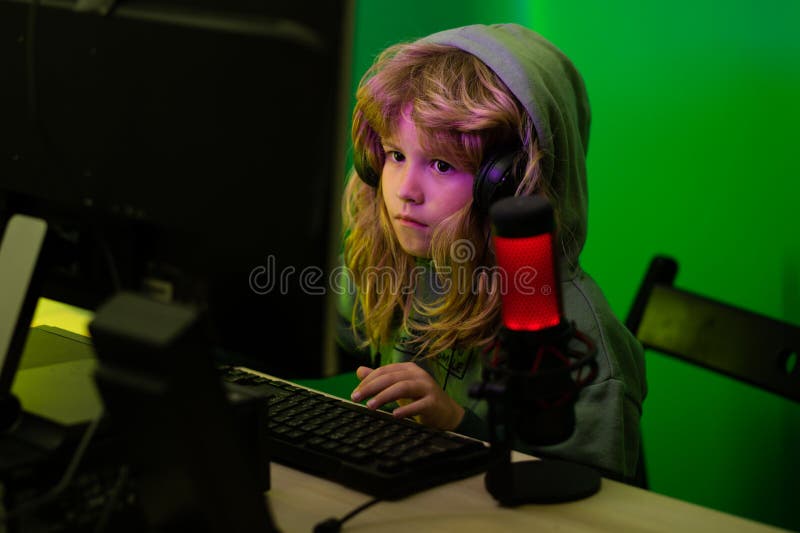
x: 193, y: 150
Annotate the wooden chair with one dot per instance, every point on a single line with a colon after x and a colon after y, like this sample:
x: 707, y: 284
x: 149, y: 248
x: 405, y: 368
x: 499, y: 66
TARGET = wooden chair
x: 738, y: 343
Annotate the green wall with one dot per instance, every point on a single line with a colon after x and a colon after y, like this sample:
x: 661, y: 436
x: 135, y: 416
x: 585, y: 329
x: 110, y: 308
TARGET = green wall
x: 695, y: 109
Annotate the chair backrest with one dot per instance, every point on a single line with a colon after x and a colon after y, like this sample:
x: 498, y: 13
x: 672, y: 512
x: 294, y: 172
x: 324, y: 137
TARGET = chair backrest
x: 741, y: 344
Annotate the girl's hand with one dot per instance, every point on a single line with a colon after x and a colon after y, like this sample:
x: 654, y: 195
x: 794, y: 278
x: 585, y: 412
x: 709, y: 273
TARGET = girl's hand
x: 400, y: 381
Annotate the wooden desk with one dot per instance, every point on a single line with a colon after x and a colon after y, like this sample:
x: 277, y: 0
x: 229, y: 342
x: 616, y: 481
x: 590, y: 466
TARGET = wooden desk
x: 299, y: 501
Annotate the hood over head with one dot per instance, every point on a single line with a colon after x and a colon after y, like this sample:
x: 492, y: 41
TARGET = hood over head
x: 551, y: 89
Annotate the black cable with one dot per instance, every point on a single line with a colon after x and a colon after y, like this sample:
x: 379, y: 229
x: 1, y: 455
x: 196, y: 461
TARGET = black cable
x: 66, y: 479
x: 113, y: 496
x: 333, y: 525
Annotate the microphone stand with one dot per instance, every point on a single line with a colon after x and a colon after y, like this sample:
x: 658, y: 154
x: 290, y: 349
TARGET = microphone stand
x: 515, y: 390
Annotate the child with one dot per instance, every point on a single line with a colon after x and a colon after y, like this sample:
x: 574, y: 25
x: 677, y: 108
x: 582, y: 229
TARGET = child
x: 429, y: 117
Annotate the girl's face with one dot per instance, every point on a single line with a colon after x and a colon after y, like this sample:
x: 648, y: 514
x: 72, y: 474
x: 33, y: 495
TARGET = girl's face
x: 419, y: 188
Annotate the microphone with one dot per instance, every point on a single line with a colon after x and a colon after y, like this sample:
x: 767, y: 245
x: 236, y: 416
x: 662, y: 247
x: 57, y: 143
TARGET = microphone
x: 522, y: 228
x: 533, y: 379
x: 535, y: 337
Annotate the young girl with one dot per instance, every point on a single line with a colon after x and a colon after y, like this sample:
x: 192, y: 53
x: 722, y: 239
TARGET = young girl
x: 431, y: 118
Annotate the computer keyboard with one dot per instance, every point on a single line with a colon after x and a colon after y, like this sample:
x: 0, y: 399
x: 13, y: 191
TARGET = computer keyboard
x: 369, y: 451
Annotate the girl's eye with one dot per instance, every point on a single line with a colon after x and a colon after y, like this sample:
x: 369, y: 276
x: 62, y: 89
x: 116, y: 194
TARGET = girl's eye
x: 442, y: 166
x: 394, y: 155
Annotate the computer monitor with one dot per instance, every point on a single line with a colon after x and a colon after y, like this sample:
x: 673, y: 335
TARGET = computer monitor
x: 191, y: 149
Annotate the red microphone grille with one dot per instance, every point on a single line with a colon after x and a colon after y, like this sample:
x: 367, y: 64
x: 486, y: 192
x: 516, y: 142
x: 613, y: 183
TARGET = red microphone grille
x: 530, y: 300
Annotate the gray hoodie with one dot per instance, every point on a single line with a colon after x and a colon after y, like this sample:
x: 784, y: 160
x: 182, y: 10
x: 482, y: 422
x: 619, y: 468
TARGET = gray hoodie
x: 608, y: 411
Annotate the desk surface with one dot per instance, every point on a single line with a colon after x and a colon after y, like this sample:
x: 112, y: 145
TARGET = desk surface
x: 299, y: 501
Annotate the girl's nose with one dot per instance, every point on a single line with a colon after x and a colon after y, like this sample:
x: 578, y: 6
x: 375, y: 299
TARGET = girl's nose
x: 410, y: 189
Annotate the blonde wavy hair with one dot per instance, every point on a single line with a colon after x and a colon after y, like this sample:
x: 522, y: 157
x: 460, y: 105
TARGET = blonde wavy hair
x: 462, y: 110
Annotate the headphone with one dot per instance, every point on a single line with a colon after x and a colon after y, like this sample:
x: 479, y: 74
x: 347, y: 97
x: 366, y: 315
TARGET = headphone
x: 494, y: 180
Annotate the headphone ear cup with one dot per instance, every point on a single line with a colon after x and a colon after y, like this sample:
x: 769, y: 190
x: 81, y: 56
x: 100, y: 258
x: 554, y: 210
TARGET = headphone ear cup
x: 364, y: 170
x: 494, y: 180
